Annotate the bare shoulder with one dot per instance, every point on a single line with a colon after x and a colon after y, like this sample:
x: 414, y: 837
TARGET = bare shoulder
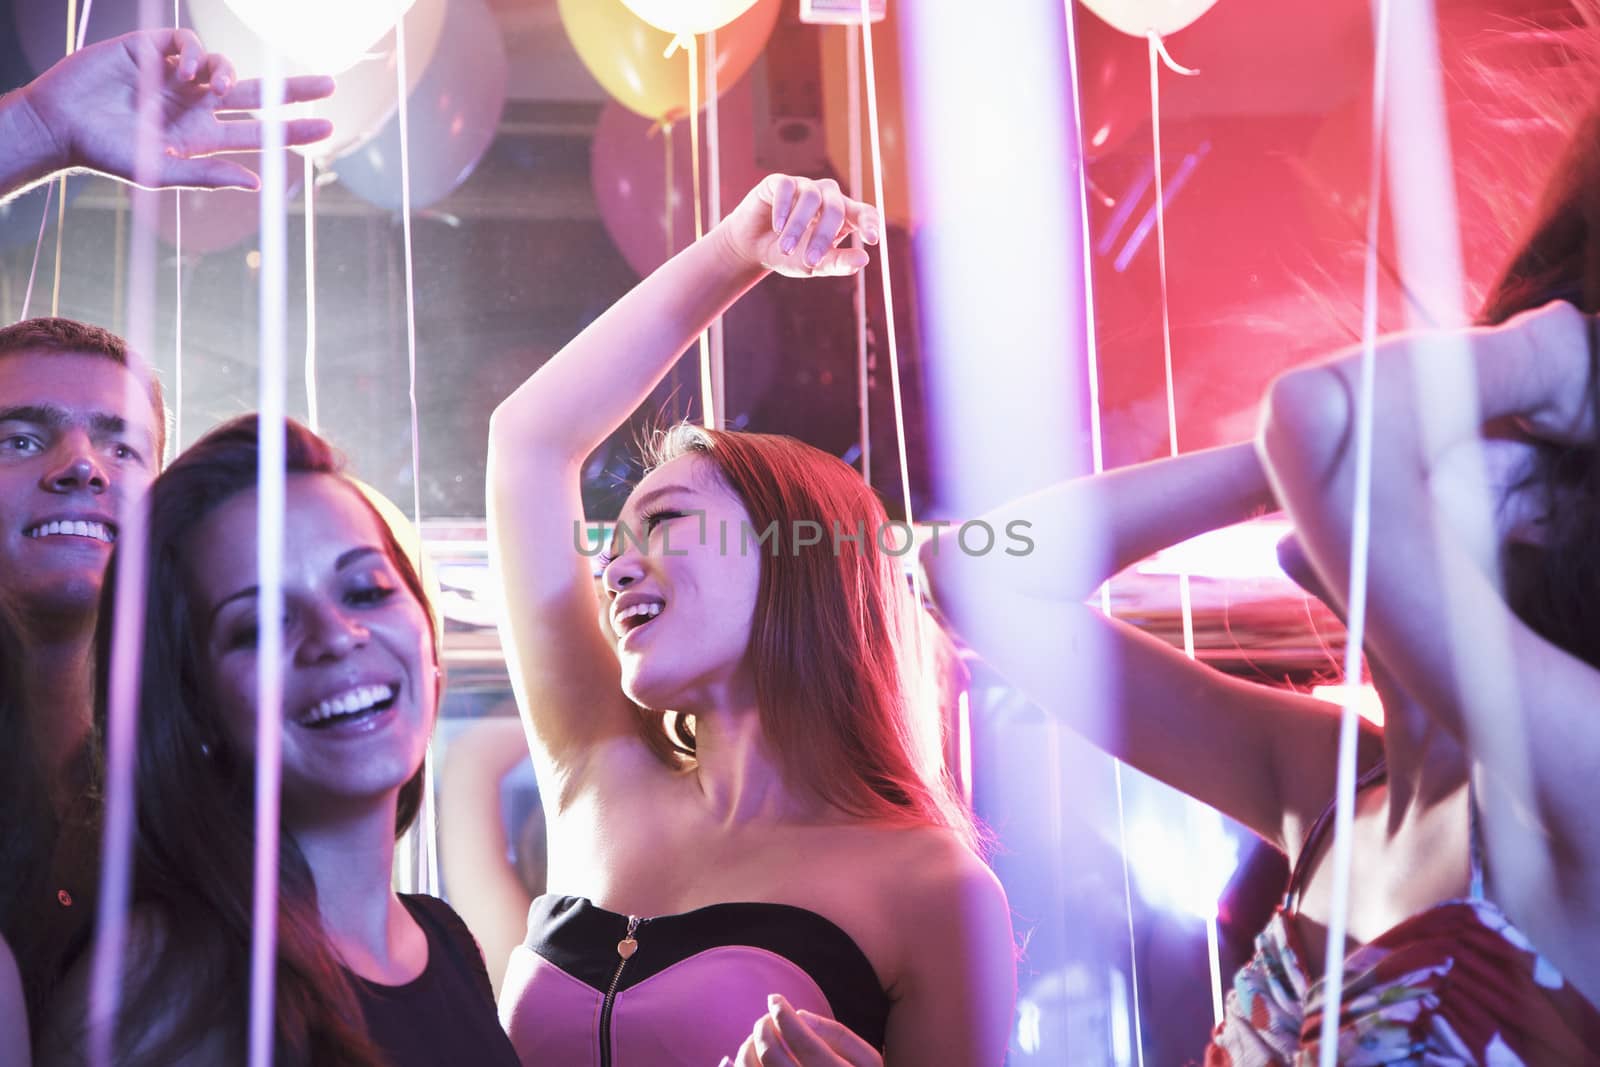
x: 948, y: 877
x: 953, y: 971
x: 908, y: 865
x: 939, y: 895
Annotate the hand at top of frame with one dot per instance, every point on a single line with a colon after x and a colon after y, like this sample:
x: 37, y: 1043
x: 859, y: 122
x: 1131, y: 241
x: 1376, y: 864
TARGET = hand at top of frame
x: 87, y: 109
x: 794, y: 226
x: 787, y: 1038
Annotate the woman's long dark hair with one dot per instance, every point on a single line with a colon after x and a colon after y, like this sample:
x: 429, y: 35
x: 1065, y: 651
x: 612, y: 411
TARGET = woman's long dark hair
x: 194, y: 847
x: 1555, y: 587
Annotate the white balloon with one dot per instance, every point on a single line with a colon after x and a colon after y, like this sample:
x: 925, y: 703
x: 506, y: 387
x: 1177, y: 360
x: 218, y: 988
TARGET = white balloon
x: 366, y: 94
x: 326, y: 37
x: 1144, y: 17
x: 689, y: 16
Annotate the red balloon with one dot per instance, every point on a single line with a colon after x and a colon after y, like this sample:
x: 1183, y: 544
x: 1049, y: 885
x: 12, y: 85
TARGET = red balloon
x: 1113, y: 85
x: 629, y: 172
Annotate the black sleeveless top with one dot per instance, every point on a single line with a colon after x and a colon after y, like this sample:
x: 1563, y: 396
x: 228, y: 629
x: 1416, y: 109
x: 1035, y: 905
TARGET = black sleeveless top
x: 446, y: 1015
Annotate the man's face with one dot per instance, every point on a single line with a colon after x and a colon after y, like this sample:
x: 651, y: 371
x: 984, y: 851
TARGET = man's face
x: 77, y: 443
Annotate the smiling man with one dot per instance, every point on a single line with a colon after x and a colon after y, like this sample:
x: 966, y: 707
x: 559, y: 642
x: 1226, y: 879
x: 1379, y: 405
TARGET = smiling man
x: 80, y: 438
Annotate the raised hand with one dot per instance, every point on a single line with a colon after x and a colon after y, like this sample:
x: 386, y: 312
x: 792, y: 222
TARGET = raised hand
x: 785, y: 1037
x: 1566, y: 413
x: 794, y: 226
x: 87, y: 110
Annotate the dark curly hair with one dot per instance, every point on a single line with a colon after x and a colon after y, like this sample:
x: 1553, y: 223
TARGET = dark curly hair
x: 1554, y: 587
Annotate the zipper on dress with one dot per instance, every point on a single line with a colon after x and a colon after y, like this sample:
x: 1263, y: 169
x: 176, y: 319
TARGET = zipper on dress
x: 625, y: 950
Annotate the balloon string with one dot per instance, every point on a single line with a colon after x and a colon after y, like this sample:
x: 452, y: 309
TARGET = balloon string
x: 669, y: 195
x: 874, y: 139
x: 177, y: 320
x: 1158, y: 56
x: 177, y: 281
x: 1098, y: 462
x: 27, y: 297
x: 859, y: 297
x: 61, y: 223
x: 313, y: 408
x: 918, y: 578
x: 719, y: 382
x: 271, y: 493
x: 107, y: 969
x: 33, y: 272
x: 1360, y: 533
x: 83, y: 23
x: 708, y: 404
x: 671, y: 187
x: 428, y: 831
x: 694, y: 136
x: 1160, y: 48
x: 119, y: 250
x: 61, y: 201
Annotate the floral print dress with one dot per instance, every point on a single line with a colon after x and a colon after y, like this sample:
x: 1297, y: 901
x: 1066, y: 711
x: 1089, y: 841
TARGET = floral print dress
x: 1455, y: 985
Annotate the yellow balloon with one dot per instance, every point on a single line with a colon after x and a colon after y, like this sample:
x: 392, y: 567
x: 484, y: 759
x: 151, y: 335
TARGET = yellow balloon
x: 688, y: 16
x: 627, y: 55
x: 1144, y: 17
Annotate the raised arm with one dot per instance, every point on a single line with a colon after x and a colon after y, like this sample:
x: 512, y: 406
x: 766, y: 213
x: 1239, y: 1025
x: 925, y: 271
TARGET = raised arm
x: 1261, y: 755
x: 1524, y: 707
x: 85, y: 113
x: 474, y: 852
x: 562, y: 666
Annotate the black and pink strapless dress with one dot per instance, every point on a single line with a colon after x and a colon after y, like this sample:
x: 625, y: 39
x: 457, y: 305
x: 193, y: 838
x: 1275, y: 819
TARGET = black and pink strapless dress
x: 592, y: 988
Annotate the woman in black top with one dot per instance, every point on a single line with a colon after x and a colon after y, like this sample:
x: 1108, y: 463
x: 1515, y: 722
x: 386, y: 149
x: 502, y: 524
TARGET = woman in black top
x: 364, y: 976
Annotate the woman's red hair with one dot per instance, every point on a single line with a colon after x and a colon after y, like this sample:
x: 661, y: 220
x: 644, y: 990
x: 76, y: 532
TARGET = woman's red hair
x: 834, y: 644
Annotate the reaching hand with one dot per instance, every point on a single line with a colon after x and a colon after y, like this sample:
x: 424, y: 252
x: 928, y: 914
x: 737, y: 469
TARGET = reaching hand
x: 787, y: 1038
x: 88, y: 107
x: 794, y: 226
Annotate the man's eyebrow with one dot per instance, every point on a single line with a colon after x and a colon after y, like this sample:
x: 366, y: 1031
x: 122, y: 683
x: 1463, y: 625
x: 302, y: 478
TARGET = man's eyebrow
x: 105, y: 424
x: 38, y: 414
x: 102, y: 424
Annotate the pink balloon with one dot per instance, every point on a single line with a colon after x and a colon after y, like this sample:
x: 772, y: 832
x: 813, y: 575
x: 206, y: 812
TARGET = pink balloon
x: 629, y: 172
x: 217, y: 219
